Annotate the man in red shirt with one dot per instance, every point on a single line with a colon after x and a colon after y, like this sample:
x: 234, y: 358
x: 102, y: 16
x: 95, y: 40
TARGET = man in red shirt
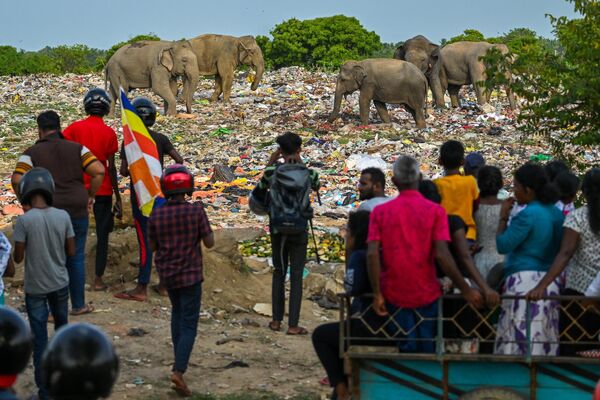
x: 102, y: 141
x: 406, y: 235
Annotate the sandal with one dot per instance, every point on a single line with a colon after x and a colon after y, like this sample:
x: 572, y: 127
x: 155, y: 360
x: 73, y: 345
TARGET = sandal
x: 180, y: 387
x: 102, y: 288
x: 275, y: 326
x: 88, y: 308
x: 296, y: 330
x: 129, y: 296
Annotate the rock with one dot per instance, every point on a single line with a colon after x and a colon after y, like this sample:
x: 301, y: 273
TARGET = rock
x: 314, y: 284
x: 256, y: 264
x: 265, y: 309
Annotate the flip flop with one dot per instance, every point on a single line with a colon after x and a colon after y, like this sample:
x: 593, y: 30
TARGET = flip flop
x: 100, y: 288
x: 324, y: 382
x: 88, y: 308
x: 301, y: 331
x: 275, y: 326
x: 129, y: 296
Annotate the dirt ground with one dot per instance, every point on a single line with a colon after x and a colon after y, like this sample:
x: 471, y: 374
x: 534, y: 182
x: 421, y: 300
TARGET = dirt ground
x: 252, y: 359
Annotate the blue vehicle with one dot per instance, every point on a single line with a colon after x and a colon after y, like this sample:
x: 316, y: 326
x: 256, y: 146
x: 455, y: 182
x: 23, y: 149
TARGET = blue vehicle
x: 463, y: 365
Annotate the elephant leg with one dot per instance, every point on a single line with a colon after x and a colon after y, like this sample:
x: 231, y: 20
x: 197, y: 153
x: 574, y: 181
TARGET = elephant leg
x: 173, y: 86
x: 218, y: 88
x: 453, y: 91
x: 477, y: 76
x: 227, y: 82
x: 418, y: 114
x: 382, y: 110
x: 164, y: 91
x: 364, y: 103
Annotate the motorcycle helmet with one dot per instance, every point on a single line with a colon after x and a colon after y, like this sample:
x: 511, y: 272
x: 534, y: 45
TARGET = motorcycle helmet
x: 176, y: 179
x: 36, y: 180
x: 145, y: 109
x: 16, y: 345
x: 80, y: 362
x: 96, y: 102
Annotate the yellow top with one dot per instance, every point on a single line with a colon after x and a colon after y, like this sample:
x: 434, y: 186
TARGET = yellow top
x: 458, y: 193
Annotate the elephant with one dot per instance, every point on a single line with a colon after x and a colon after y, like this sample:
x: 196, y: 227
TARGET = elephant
x: 383, y: 81
x: 156, y: 65
x: 450, y: 67
x: 220, y: 55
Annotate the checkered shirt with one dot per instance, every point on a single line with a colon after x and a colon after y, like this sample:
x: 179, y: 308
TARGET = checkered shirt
x: 177, y: 228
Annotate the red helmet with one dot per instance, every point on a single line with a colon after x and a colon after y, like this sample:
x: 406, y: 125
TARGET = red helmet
x: 176, y: 179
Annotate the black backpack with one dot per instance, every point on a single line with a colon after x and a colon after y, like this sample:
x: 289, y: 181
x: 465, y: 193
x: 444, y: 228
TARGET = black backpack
x: 289, y: 199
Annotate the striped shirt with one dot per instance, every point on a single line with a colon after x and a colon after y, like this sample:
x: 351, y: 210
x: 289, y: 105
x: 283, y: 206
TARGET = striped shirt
x: 66, y: 161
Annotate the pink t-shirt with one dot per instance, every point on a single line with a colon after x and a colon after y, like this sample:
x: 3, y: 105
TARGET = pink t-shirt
x: 407, y: 226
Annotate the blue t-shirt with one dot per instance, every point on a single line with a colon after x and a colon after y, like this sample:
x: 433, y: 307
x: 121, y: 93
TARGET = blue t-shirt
x: 533, y: 238
x: 356, y: 281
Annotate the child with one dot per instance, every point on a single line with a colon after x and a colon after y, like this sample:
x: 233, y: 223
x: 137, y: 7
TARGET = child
x: 44, y: 237
x: 175, y: 231
x: 568, y: 186
x: 459, y: 193
x: 487, y: 216
x: 15, y: 350
x: 7, y: 268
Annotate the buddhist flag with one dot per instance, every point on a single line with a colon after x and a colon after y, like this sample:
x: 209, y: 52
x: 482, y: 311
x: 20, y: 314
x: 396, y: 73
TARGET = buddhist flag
x: 142, y: 158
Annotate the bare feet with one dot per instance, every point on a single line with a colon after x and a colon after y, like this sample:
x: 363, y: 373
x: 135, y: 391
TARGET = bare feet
x: 99, y: 285
x: 179, y: 385
x: 160, y: 290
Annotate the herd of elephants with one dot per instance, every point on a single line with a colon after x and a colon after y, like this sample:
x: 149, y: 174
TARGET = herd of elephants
x: 417, y: 65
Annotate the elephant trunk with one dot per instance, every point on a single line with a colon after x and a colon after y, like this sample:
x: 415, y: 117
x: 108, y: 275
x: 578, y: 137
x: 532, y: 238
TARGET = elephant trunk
x: 435, y: 84
x: 190, y: 82
x: 337, y: 102
x: 260, y: 69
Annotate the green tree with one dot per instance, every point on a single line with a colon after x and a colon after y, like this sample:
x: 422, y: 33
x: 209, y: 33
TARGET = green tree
x: 387, y: 50
x: 320, y: 42
x: 101, y: 61
x: 77, y: 59
x: 10, y: 61
x: 468, y: 35
x: 561, y: 89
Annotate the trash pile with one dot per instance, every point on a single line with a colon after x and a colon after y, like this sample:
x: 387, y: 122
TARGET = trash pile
x: 227, y: 145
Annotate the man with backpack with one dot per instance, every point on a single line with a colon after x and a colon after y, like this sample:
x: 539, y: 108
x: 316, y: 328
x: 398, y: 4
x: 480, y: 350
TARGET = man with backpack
x: 284, y: 189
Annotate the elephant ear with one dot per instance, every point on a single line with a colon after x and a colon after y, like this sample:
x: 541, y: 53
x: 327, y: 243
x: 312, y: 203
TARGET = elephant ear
x: 166, y: 59
x: 400, y: 53
x: 434, y: 60
x: 359, y: 73
x: 243, y: 51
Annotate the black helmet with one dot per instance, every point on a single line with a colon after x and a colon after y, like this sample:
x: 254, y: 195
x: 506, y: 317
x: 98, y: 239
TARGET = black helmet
x: 176, y: 179
x: 16, y: 342
x: 80, y: 363
x: 96, y: 102
x: 36, y: 180
x: 145, y: 109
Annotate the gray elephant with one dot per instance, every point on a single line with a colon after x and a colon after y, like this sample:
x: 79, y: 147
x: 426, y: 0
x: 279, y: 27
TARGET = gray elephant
x: 383, y: 81
x: 220, y: 55
x: 156, y: 65
x: 450, y: 67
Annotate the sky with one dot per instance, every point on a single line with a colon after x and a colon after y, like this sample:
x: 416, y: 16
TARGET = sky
x: 35, y: 24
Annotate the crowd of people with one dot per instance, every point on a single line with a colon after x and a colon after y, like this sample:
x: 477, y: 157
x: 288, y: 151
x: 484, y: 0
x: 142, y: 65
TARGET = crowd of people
x: 452, y: 233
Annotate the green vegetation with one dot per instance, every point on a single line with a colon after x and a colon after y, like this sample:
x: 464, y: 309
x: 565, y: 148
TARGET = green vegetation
x: 559, y: 84
x: 321, y: 42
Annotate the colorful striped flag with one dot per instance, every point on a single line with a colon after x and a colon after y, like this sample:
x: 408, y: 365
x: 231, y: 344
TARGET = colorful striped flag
x: 142, y: 157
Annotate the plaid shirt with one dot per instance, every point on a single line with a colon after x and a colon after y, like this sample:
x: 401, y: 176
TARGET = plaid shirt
x: 177, y: 228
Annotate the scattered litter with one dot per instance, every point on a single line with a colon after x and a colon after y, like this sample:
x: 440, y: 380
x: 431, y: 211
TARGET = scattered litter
x: 137, y: 332
x: 229, y: 339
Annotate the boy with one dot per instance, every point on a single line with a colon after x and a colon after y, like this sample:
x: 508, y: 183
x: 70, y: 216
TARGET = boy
x: 102, y: 141
x: 174, y: 232
x: 288, y: 248
x: 460, y: 194
x: 44, y: 237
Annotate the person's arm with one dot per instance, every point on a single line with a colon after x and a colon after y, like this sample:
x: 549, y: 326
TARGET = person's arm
x: 508, y: 239
x: 461, y: 249
x: 446, y: 263
x: 276, y: 155
x: 175, y: 156
x: 95, y: 170
x: 374, y: 269
x: 24, y: 164
x: 505, y: 209
x: 70, y: 246
x: 569, y: 243
x: 19, y: 252
x: 9, y: 272
x: 112, y: 174
x: 209, y: 240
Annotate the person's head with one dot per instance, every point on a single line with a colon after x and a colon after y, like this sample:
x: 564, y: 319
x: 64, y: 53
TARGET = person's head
x: 96, y: 102
x: 289, y: 144
x: 428, y: 189
x: 452, y: 155
x: 48, y: 122
x: 473, y: 163
x: 80, y: 362
x: 358, y: 230
x: 532, y: 183
x: 591, y: 192
x: 489, y: 180
x: 36, y: 182
x: 406, y: 173
x: 145, y: 109
x: 177, y: 181
x: 371, y: 183
x: 567, y: 184
x: 554, y: 168
x: 16, y: 345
